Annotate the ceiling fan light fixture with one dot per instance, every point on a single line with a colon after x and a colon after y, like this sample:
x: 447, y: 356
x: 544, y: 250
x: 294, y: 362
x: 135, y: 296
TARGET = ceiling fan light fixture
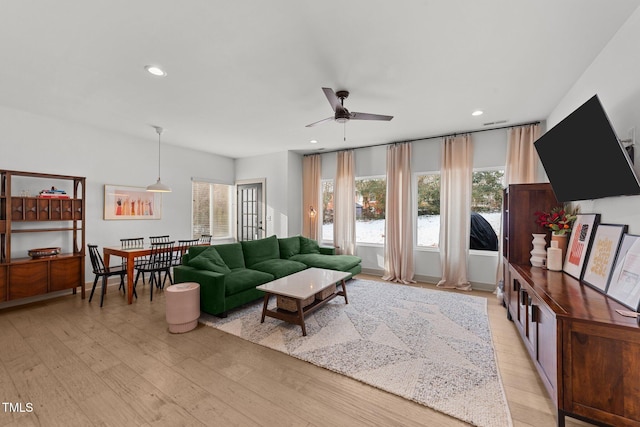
x: 342, y: 119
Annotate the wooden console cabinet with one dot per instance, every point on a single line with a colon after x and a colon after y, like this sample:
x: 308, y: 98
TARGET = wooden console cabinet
x: 587, y: 354
x: 21, y: 276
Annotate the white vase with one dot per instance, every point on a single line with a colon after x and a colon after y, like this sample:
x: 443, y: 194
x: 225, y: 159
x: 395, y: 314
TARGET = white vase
x: 539, y: 253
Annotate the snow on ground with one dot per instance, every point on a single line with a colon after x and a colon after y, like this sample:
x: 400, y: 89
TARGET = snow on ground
x: 428, y: 229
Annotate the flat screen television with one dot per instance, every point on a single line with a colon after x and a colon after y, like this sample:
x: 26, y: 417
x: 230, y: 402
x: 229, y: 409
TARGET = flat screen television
x: 584, y: 159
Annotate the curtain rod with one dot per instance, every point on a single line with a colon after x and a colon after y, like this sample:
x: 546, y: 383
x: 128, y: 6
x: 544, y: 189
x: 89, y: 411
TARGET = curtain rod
x: 425, y: 138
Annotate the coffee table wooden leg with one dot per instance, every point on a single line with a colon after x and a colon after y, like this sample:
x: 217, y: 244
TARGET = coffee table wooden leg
x: 344, y: 291
x: 264, y: 306
x: 301, y: 317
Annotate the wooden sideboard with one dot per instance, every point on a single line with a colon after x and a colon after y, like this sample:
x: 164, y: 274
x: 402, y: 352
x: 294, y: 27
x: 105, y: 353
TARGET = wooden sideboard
x: 587, y: 354
x: 29, y: 215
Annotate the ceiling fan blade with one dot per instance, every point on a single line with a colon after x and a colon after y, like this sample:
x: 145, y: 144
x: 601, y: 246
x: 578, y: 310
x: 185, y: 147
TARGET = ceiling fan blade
x: 332, y: 98
x: 367, y: 116
x: 328, y: 119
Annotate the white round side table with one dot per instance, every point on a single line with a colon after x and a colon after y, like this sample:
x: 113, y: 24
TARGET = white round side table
x: 182, y: 306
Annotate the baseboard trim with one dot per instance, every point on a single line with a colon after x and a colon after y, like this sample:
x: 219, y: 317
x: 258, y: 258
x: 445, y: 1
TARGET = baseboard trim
x: 478, y: 286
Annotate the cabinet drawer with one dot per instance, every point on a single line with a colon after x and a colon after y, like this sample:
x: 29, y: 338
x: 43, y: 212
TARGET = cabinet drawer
x: 43, y: 209
x: 27, y: 280
x: 77, y: 209
x: 55, y: 210
x: 67, y: 209
x: 17, y: 209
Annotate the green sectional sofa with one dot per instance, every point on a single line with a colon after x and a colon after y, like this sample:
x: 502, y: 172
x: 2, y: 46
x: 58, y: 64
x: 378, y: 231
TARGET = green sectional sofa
x: 229, y: 273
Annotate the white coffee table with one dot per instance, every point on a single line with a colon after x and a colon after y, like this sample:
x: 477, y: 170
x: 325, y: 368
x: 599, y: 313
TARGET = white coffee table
x: 299, y: 287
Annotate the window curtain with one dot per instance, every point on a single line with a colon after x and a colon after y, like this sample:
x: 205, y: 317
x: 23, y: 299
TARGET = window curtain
x: 455, y: 211
x: 398, y: 245
x: 521, y: 167
x: 522, y: 158
x: 311, y: 207
x: 344, y: 210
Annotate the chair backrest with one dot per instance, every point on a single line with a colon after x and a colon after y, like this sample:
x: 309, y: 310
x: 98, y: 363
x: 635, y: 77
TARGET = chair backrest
x: 132, y: 243
x: 159, y: 239
x: 205, y: 238
x: 96, y: 259
x: 181, y: 248
x: 161, y: 255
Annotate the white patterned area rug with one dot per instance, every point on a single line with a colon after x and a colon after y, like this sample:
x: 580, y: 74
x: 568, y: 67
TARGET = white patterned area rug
x: 430, y: 346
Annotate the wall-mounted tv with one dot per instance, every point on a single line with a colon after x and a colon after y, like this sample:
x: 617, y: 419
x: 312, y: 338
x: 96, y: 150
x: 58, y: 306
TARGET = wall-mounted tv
x: 584, y: 159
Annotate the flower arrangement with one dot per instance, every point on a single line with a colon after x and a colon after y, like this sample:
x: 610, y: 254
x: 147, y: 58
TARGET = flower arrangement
x: 558, y: 220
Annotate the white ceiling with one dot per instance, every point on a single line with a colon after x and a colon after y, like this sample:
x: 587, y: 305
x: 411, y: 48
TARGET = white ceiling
x: 245, y: 77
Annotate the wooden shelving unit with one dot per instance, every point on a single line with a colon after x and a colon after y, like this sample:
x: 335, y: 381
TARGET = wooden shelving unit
x: 26, y: 277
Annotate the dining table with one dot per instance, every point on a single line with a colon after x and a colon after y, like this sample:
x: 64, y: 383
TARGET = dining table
x: 130, y: 255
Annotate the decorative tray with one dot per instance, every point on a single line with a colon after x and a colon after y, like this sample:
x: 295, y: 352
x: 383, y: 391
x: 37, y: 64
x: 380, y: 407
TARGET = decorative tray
x: 43, y: 252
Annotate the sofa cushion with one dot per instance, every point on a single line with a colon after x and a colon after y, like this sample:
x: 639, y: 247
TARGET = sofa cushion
x: 329, y: 262
x: 256, y: 251
x: 209, y: 259
x: 289, y: 246
x: 308, y: 246
x: 242, y: 279
x: 231, y: 254
x: 279, y: 267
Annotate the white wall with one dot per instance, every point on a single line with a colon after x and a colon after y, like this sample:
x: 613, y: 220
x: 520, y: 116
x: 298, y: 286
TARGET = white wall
x: 283, y: 174
x: 489, y: 151
x: 35, y: 143
x: 615, y: 77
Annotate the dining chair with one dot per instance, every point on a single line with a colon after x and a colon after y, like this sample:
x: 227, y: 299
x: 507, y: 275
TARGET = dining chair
x: 159, y: 261
x: 132, y: 243
x: 205, y: 239
x: 159, y: 239
x: 181, y: 249
x: 103, y: 272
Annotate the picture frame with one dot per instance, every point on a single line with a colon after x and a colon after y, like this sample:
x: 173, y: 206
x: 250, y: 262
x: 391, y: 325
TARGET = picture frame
x: 579, y: 244
x: 131, y: 203
x: 602, y: 255
x: 624, y: 285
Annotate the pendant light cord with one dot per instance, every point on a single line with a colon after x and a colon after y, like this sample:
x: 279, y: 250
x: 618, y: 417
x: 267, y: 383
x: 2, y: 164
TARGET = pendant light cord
x: 159, y: 130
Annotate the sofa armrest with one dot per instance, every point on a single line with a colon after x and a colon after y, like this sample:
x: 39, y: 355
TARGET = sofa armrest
x: 327, y: 250
x: 212, y: 287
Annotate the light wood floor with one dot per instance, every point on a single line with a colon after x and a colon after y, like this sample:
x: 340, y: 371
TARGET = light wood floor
x: 81, y: 365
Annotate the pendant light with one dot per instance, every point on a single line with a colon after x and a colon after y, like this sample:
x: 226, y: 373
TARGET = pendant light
x: 159, y: 187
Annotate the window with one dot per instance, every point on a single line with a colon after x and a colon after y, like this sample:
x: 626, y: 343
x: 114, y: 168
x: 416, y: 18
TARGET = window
x: 486, y: 200
x: 371, y: 195
x: 428, y: 204
x: 327, y: 210
x: 212, y: 210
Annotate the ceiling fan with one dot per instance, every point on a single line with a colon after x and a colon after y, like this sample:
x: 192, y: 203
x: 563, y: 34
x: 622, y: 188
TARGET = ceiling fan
x: 342, y: 115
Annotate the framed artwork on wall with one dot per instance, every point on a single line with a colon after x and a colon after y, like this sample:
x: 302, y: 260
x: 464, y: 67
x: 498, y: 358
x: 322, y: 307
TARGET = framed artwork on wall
x: 624, y: 285
x: 579, y: 244
x: 122, y: 202
x: 604, y: 248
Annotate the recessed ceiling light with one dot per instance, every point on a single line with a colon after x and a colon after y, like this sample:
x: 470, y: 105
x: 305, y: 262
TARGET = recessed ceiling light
x: 477, y: 113
x: 155, y: 70
x: 313, y: 141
